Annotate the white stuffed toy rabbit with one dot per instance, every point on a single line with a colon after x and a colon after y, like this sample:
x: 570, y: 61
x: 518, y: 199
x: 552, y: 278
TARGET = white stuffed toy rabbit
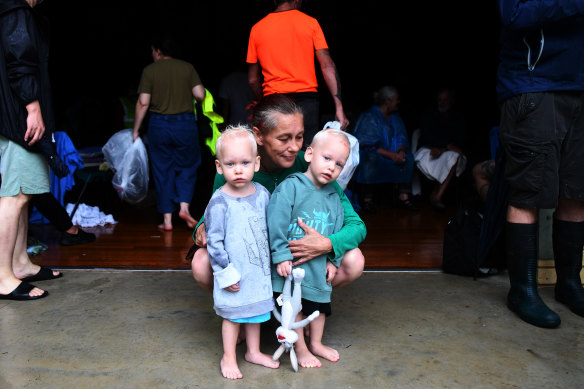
x: 291, y: 306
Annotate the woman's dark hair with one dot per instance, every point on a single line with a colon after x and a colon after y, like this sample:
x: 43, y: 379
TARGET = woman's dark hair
x: 263, y: 113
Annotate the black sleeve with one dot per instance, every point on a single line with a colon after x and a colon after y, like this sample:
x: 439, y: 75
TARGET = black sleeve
x: 17, y: 31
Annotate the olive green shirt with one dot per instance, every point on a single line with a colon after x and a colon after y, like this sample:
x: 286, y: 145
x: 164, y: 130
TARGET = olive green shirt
x: 170, y: 83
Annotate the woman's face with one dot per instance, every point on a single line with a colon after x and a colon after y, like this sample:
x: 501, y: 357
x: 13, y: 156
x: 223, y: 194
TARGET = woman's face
x: 280, y: 146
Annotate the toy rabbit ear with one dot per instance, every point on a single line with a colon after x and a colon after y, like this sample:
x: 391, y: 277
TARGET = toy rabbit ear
x: 294, y: 360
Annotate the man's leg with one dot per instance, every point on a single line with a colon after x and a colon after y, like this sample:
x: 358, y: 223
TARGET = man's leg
x: 522, y: 246
x: 568, y: 242
x: 11, y: 231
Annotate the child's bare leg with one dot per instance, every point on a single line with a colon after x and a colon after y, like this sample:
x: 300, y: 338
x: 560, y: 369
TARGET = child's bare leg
x: 316, y: 331
x: 229, y: 368
x: 303, y: 354
x: 253, y: 354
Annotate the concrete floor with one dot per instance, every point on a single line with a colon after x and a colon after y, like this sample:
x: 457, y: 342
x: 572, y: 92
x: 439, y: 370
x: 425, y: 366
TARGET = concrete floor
x: 106, y: 329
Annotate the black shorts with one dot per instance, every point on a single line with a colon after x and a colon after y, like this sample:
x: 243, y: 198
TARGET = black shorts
x: 543, y: 138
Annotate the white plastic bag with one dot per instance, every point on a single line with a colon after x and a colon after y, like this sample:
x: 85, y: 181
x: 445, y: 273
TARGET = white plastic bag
x: 116, y: 147
x: 352, y: 161
x: 129, y: 161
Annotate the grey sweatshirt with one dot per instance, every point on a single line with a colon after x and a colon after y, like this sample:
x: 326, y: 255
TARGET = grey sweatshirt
x: 237, y: 242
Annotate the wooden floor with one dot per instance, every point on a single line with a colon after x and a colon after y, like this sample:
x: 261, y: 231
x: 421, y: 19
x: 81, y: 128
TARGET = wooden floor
x: 396, y: 239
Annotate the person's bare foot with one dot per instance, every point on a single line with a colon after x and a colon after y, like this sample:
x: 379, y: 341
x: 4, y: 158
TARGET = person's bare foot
x: 165, y: 227
x: 191, y: 222
x: 307, y: 359
x: 229, y: 368
x: 262, y: 359
x: 326, y: 352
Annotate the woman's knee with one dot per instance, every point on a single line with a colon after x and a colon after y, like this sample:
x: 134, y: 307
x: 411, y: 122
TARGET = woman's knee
x: 200, y: 264
x: 353, y: 263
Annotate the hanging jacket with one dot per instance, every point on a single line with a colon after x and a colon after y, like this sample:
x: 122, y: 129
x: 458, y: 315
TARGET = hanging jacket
x: 24, y: 69
x: 542, y: 46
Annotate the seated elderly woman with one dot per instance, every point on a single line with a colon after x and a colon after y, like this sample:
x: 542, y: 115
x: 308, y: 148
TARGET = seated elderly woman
x: 385, y: 155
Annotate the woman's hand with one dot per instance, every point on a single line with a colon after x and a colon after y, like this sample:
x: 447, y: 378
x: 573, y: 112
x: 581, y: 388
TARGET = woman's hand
x: 310, y: 246
x: 399, y: 157
x: 201, y: 236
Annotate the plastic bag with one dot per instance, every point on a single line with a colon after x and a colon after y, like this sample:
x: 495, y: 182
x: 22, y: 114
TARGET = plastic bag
x: 352, y: 161
x: 129, y: 161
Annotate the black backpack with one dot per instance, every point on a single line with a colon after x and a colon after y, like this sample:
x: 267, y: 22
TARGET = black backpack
x: 461, y: 241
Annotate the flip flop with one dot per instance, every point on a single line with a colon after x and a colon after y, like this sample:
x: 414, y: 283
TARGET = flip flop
x: 44, y: 274
x: 21, y: 293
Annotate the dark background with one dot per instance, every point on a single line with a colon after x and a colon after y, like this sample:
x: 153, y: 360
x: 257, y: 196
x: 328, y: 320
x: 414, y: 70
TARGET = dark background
x: 100, y: 47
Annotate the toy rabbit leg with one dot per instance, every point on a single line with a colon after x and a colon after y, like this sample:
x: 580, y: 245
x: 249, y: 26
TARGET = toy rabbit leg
x: 279, y: 352
x: 285, y: 296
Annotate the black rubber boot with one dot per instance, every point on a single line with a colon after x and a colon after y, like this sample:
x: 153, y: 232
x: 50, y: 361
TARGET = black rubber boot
x: 523, y: 298
x: 568, y: 241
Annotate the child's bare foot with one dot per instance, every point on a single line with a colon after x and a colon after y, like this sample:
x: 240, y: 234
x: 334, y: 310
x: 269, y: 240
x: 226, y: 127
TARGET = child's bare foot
x: 229, y: 368
x: 165, y: 227
x: 325, y: 351
x: 262, y: 359
x: 307, y: 359
x: 192, y: 223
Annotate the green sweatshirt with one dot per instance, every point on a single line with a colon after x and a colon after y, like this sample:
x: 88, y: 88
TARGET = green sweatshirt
x: 321, y: 209
x: 351, y: 234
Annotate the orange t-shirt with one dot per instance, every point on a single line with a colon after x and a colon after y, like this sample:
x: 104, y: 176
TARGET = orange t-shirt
x: 284, y: 44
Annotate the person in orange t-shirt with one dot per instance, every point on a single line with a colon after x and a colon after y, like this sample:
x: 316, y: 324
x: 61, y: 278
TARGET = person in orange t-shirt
x: 281, y: 49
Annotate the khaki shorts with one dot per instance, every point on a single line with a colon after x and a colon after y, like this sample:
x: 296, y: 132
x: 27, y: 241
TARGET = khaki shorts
x: 22, y: 170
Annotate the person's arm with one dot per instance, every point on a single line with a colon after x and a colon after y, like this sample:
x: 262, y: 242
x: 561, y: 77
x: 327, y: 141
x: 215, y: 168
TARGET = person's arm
x: 279, y: 215
x: 254, y: 77
x: 353, y: 231
x: 333, y: 82
x: 199, y: 92
x: 200, y: 236
x: 314, y: 244
x: 522, y: 14
x: 141, y: 108
x: 223, y: 270
x: 22, y: 68
x: 397, y: 157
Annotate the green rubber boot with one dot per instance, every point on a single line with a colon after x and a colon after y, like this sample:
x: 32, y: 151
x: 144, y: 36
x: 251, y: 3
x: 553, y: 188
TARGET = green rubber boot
x: 568, y: 241
x: 523, y: 298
